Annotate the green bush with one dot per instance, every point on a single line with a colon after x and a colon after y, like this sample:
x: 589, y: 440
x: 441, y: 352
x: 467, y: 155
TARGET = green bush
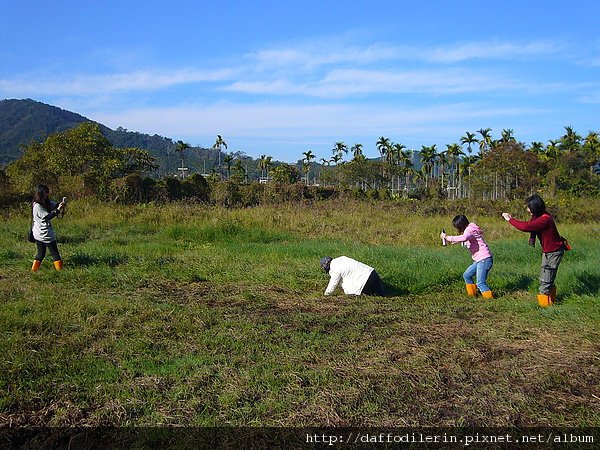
x: 173, y: 188
x: 196, y: 186
x: 226, y: 193
x: 251, y: 194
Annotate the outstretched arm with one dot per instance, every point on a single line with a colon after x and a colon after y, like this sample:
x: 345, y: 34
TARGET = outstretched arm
x: 460, y: 238
x: 333, y: 282
x: 537, y: 224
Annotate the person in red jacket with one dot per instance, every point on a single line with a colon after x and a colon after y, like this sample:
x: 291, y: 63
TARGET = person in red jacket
x: 543, y: 226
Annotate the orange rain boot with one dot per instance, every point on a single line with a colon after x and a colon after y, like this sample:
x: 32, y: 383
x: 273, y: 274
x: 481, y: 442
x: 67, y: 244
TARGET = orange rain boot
x: 544, y: 300
x: 553, y: 293
x: 471, y: 290
x: 36, y: 265
x: 487, y: 294
x: 58, y: 265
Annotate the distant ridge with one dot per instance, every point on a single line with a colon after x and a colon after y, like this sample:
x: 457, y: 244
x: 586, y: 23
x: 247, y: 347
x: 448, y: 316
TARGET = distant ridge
x: 25, y: 121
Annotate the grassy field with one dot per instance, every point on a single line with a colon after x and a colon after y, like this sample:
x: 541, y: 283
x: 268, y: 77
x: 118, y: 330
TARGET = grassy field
x: 193, y: 315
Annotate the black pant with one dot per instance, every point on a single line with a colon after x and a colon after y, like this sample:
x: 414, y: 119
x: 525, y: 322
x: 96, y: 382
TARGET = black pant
x: 374, y: 285
x: 41, y: 250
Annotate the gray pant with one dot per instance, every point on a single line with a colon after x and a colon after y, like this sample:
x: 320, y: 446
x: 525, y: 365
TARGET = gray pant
x: 550, y: 263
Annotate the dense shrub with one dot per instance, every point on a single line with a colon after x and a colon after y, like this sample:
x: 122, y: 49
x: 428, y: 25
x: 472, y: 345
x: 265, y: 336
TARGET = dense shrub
x: 134, y: 189
x: 252, y: 194
x: 226, y: 193
x: 173, y: 188
x: 195, y: 186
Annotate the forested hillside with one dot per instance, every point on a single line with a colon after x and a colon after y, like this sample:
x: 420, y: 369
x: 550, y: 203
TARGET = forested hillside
x: 25, y: 121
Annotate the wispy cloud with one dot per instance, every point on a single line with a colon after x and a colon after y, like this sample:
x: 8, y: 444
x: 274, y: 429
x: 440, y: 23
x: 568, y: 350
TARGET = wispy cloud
x: 125, y: 82
x: 327, y: 69
x: 333, y: 52
x: 352, y: 82
x: 335, y: 69
x: 491, y: 51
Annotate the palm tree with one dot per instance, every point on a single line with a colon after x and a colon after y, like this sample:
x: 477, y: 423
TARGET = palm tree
x: 507, y: 135
x: 396, y: 152
x: 442, y: 159
x: 485, y: 143
x: 219, y: 143
x: 305, y: 170
x: 571, y: 141
x: 262, y: 165
x: 469, y: 139
x: 537, y: 148
x: 338, y: 155
x: 357, y: 152
x: 454, y: 152
x: 592, y: 139
x: 405, y: 158
x: 308, y: 157
x: 324, y: 161
x: 427, y: 156
x: 383, y: 145
x: 552, y: 150
x: 592, y: 143
x: 340, y: 148
x: 181, y: 147
x: 269, y: 164
x: 336, y: 158
x: 465, y: 168
x: 227, y: 160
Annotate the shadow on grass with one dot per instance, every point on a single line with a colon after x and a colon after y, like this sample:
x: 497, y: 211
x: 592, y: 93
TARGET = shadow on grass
x: 394, y: 291
x: 72, y: 239
x: 83, y: 260
x: 590, y: 283
x: 520, y: 284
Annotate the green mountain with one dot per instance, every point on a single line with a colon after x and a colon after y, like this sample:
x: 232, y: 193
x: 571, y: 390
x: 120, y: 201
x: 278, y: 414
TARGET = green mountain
x: 26, y: 121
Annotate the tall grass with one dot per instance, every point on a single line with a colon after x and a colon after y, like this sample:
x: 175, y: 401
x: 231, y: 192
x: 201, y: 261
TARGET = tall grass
x: 195, y: 315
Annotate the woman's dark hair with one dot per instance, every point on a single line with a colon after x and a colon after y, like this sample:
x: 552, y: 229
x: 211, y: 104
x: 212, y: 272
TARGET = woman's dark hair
x: 536, y: 205
x: 40, y: 196
x: 460, y: 222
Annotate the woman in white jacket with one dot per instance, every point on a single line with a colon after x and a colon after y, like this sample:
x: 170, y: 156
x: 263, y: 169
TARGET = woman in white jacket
x: 356, y: 278
x: 44, y: 210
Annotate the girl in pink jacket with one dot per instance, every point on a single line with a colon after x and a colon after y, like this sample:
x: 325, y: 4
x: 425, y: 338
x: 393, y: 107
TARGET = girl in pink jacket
x: 472, y: 236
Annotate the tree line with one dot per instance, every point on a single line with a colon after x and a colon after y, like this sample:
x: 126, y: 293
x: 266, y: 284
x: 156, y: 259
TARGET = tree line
x: 82, y: 162
x: 502, y: 168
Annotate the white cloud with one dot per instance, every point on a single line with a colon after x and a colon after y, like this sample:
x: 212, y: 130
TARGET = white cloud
x: 352, y: 82
x: 333, y: 52
x: 309, y: 57
x: 323, y: 69
x: 490, y: 51
x: 94, y: 84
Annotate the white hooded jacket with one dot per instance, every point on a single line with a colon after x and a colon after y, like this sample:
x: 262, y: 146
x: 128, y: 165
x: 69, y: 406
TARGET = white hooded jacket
x: 353, y: 275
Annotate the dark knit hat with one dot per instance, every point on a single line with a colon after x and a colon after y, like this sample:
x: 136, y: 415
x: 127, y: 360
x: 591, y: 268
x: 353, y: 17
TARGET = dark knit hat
x: 325, y: 261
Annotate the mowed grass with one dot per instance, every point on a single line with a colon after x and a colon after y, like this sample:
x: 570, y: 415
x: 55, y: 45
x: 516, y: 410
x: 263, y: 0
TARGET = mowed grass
x: 193, y: 315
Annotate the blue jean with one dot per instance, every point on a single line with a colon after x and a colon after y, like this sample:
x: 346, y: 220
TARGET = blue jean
x: 481, y: 270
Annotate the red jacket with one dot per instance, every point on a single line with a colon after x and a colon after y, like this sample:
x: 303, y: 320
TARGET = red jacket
x: 545, y: 229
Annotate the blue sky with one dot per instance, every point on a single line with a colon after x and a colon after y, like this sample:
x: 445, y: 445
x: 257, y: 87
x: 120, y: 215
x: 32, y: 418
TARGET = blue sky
x: 283, y: 77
